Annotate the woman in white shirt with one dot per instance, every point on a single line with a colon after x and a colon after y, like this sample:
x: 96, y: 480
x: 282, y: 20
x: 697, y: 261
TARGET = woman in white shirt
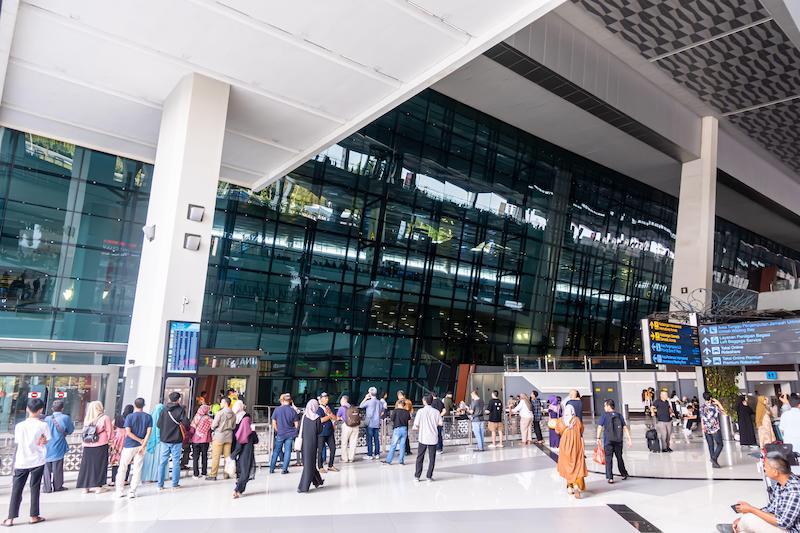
x: 525, y: 411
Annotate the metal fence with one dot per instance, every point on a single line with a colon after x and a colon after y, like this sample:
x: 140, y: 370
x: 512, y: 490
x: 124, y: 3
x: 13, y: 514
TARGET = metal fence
x: 456, y: 431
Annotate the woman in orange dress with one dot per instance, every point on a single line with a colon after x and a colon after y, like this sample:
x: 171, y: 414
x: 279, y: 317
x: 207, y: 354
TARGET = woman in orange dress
x: 571, y: 452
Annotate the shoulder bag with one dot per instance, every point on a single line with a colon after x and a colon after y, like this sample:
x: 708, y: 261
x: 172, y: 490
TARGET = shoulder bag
x: 180, y: 426
x: 298, y: 441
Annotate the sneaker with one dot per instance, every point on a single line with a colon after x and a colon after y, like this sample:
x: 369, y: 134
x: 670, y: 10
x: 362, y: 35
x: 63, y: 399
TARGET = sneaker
x: 725, y: 528
x: 610, y: 481
x: 624, y: 477
x: 131, y: 495
x: 195, y: 477
x: 175, y: 487
x: 120, y: 494
x: 284, y: 472
x: 417, y: 479
x: 715, y: 464
x: 161, y: 489
x: 332, y: 469
x: 429, y: 480
x: 210, y: 478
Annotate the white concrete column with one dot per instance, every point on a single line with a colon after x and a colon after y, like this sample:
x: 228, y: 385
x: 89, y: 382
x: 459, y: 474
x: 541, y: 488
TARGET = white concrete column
x: 694, y: 244
x: 172, y: 279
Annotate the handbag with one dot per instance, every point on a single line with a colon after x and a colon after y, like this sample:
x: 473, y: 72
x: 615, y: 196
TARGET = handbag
x: 552, y: 423
x: 599, y: 455
x: 230, y: 467
x: 298, y: 441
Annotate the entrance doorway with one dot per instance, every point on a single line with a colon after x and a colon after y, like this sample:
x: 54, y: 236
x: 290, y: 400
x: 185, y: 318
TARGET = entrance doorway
x: 605, y: 390
x: 76, y: 391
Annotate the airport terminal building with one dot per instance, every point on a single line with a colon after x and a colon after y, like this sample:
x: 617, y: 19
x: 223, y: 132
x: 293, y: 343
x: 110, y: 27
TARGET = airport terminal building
x: 534, y: 201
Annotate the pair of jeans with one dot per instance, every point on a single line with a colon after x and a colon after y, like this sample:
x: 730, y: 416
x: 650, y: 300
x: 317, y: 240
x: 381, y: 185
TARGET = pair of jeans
x: 439, y: 438
x: 283, y: 445
x: 537, y: 428
x: 199, y: 455
x: 477, y: 430
x: 20, y: 477
x: 330, y: 442
x: 714, y: 441
x: 614, y: 449
x: 53, y: 480
x: 399, y: 439
x: 373, y: 442
x: 421, y: 449
x: 174, y: 450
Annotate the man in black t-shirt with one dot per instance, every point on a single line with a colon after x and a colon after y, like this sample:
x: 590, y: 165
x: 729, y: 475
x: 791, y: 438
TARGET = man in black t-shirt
x: 495, y: 408
x: 662, y: 410
x: 438, y: 404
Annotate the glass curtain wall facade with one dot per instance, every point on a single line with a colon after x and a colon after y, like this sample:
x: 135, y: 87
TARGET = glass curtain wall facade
x: 436, y: 233
x: 70, y: 238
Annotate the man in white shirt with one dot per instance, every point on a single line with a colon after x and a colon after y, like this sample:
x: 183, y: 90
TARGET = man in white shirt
x: 427, y: 422
x: 790, y: 424
x: 30, y: 436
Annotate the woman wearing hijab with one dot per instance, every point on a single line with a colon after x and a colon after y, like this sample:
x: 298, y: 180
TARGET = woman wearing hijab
x: 571, y: 455
x: 310, y: 428
x: 554, y: 412
x: 245, y: 439
x: 153, y: 450
x: 747, y: 434
x: 97, y: 432
x: 766, y: 434
x: 201, y: 437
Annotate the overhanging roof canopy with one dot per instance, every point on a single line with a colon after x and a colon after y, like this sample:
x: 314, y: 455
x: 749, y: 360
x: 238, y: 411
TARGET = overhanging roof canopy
x: 303, y: 74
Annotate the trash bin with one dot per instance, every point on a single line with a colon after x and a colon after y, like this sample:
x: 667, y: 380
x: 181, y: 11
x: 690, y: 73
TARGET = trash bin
x: 726, y: 427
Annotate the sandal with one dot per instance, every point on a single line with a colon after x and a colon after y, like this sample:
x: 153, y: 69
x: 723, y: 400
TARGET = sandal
x: 36, y: 519
x: 8, y: 522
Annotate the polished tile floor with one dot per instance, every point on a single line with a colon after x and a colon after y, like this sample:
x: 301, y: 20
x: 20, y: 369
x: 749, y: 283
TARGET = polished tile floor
x: 688, y: 459
x: 511, y: 487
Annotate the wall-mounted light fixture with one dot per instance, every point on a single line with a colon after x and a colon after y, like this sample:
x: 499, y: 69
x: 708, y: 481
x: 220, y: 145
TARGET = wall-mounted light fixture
x: 195, y: 213
x: 191, y: 241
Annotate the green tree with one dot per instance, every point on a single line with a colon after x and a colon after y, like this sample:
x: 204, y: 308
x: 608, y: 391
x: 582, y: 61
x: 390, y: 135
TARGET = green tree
x: 721, y: 383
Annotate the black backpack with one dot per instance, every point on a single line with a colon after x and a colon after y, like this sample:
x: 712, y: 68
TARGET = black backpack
x: 615, y: 433
x: 90, y: 434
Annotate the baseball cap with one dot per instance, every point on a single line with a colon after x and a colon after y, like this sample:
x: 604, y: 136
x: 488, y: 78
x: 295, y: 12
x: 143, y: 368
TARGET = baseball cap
x: 323, y: 395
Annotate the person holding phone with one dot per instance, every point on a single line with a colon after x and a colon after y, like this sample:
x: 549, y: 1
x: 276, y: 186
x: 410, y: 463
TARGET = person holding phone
x: 783, y: 511
x: 709, y: 416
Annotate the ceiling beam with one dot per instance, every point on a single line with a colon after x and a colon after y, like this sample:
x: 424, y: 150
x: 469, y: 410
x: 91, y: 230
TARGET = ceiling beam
x: 710, y: 40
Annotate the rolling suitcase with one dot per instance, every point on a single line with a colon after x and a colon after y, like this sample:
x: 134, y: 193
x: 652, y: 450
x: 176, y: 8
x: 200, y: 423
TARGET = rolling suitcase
x: 653, y: 442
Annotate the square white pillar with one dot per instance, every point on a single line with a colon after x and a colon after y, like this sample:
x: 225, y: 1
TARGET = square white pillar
x: 171, y: 281
x: 694, y: 243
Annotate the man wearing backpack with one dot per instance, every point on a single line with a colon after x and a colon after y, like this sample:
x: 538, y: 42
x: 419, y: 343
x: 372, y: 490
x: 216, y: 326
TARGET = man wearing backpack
x: 351, y: 422
x: 172, y: 424
x: 610, y: 431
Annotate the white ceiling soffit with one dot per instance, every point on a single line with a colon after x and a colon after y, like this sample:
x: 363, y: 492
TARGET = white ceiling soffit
x: 304, y: 74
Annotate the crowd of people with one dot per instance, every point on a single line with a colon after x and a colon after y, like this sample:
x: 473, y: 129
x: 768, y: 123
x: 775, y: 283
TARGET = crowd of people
x: 138, y: 446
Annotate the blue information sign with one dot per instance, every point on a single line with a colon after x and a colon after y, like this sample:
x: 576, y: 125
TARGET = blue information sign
x: 183, y: 347
x: 666, y: 343
x: 769, y: 342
